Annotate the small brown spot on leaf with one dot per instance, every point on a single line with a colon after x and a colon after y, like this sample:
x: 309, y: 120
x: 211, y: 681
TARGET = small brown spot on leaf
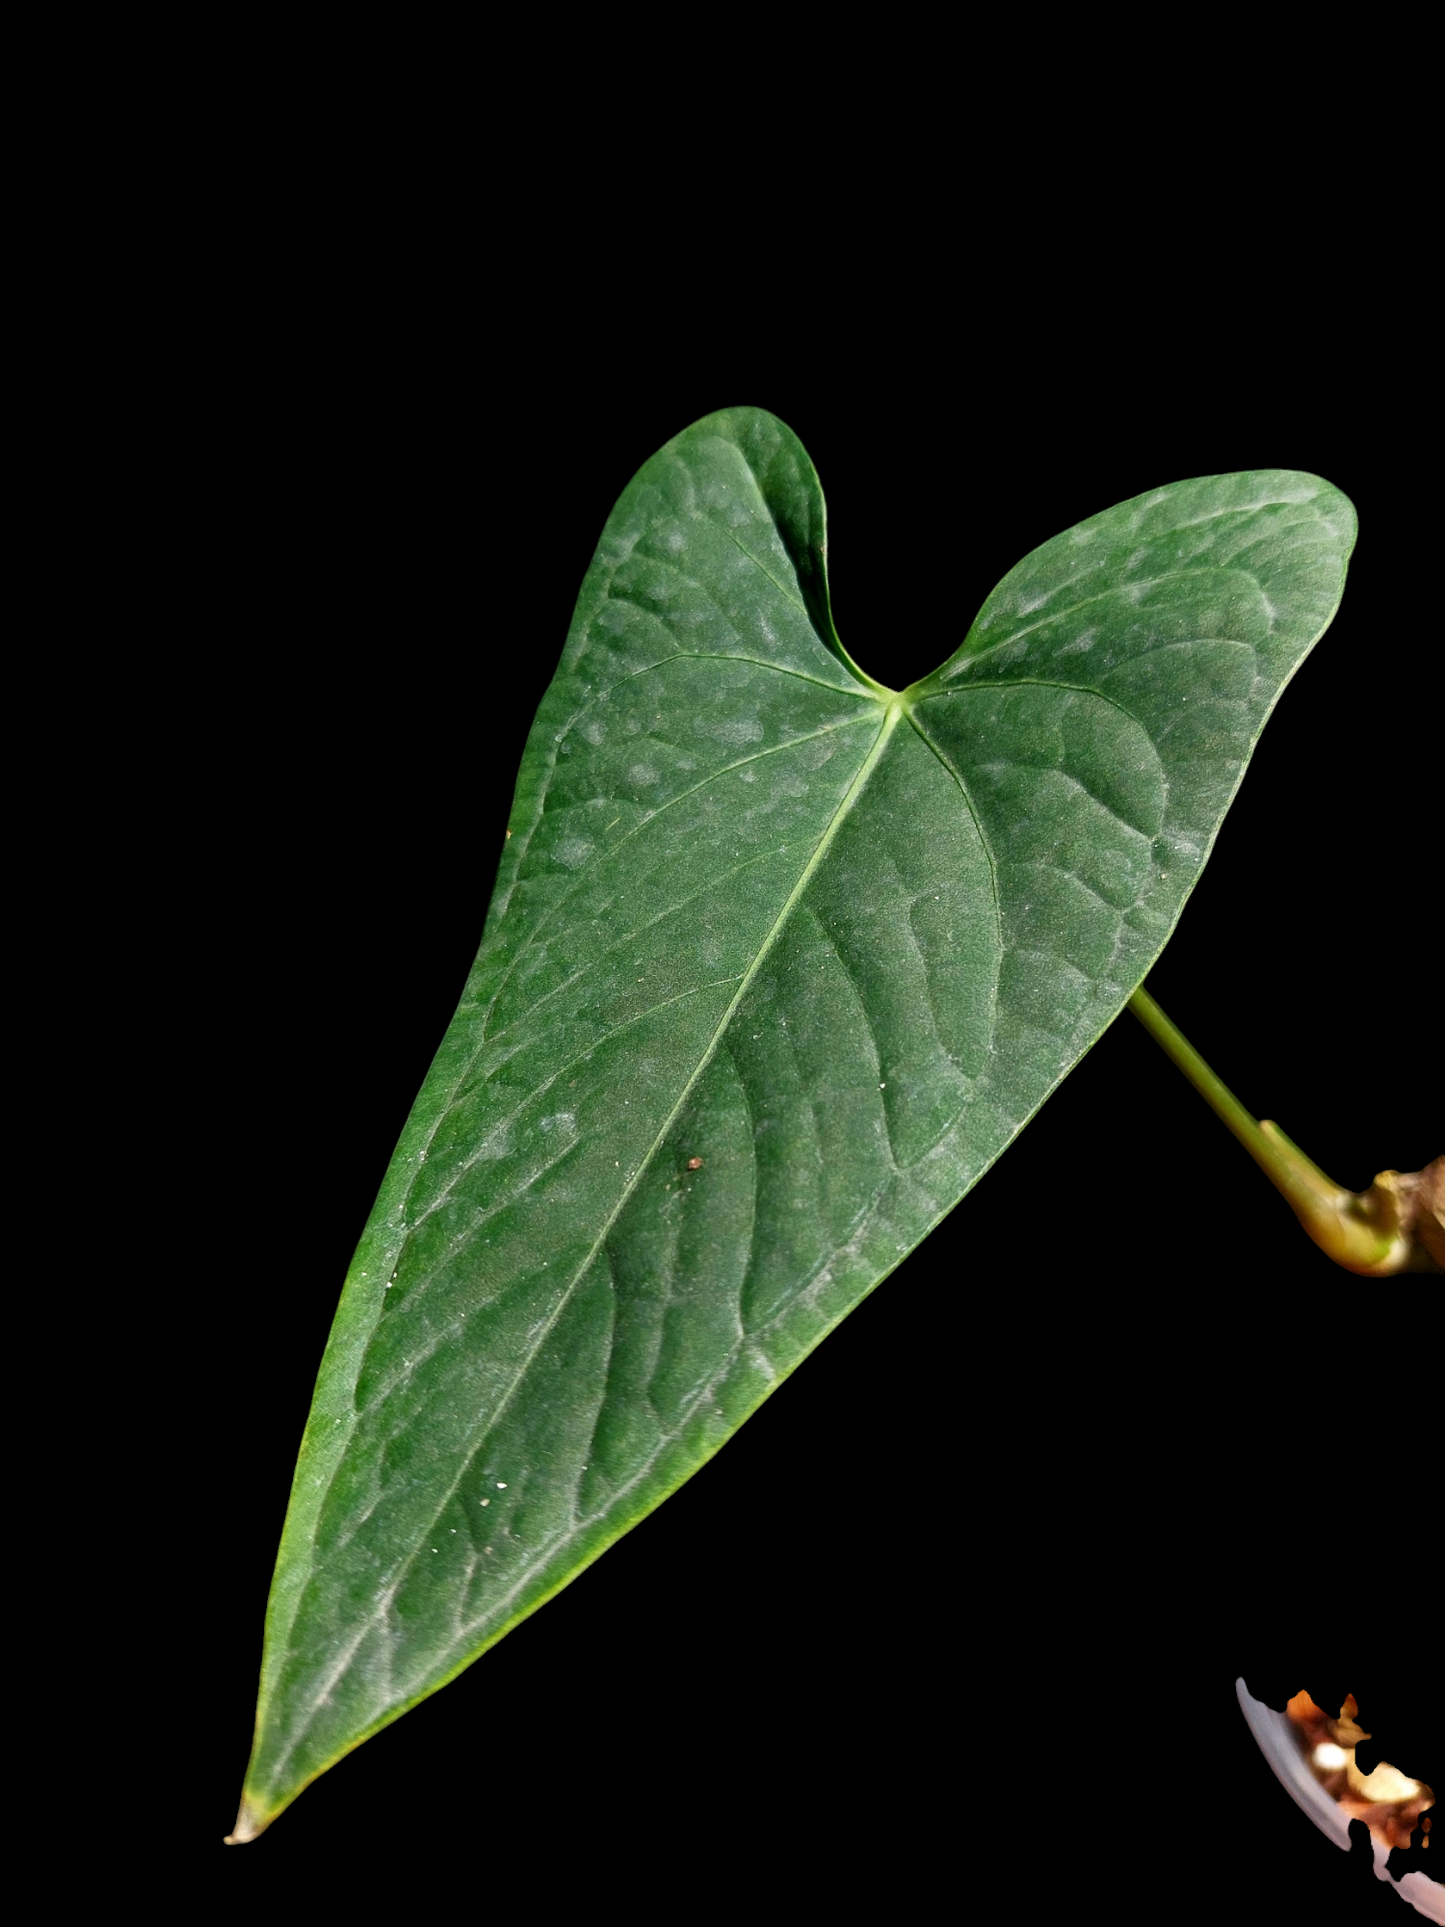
x: 694, y: 1164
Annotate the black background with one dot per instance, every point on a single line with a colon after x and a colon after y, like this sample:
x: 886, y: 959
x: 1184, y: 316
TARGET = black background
x: 962, y: 1609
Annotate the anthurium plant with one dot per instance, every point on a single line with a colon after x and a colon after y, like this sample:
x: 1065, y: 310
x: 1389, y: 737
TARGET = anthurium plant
x: 778, y: 962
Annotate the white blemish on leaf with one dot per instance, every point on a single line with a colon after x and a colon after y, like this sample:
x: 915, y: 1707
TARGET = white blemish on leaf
x: 741, y: 729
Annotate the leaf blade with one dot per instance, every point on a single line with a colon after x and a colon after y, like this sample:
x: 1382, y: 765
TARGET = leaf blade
x: 717, y: 934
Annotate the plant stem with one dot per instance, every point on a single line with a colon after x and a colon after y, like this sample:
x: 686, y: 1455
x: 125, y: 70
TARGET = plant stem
x: 1364, y: 1233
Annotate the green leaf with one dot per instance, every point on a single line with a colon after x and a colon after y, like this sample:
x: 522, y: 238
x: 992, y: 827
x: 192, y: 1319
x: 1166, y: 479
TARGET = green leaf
x: 778, y: 962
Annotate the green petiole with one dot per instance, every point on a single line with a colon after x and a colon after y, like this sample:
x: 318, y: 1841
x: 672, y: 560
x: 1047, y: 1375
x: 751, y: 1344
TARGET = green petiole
x: 1394, y: 1226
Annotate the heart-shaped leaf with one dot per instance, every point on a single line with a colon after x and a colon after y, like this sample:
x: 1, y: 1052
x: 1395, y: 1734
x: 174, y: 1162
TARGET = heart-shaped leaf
x: 778, y: 962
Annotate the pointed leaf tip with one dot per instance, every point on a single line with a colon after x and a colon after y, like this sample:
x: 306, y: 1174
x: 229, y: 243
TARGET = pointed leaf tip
x: 249, y: 1824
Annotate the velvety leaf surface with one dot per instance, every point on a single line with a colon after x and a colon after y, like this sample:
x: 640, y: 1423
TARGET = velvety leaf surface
x: 777, y: 964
